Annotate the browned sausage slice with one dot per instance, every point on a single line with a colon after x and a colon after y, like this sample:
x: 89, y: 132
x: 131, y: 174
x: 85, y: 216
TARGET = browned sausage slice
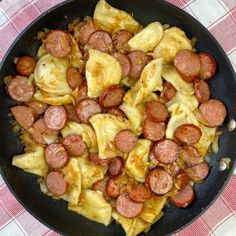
x: 56, y: 184
x: 100, y: 40
x: 166, y: 151
x: 113, y: 188
x: 188, y: 133
x: 55, y: 117
x: 20, y: 89
x: 74, y: 78
x: 124, y: 62
x: 56, y: 155
x: 82, y: 92
x: 41, y: 129
x: 101, y: 186
x: 85, y: 31
x: 111, y: 96
x: 25, y: 65
x: 74, y: 145
x: 156, y: 111
x: 120, y: 40
x: 39, y: 107
x: 208, y: 65
x: 125, y: 140
x: 139, y: 193
x: 213, y: 111
x: 182, y: 180
x: 115, y: 167
x: 95, y: 160
x: 128, y: 208
x: 86, y: 109
x: 168, y: 91
x: 202, y: 91
x: 116, y: 111
x: 71, y: 113
x: 58, y: 43
x: 199, y: 172
x: 138, y: 61
x: 184, y: 197
x: 159, y: 181
x: 190, y: 155
x: 24, y: 116
x: 187, y: 64
x: 154, y: 131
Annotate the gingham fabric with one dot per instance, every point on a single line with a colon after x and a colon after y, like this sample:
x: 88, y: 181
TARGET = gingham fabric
x: 219, y: 16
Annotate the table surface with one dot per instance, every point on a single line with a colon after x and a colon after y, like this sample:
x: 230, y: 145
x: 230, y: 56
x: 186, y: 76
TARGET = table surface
x: 219, y: 16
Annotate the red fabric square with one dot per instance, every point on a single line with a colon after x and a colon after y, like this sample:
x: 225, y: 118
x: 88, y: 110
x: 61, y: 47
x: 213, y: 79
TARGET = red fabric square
x: 198, y: 228
x: 216, y: 214
x: 225, y: 32
x: 24, y: 18
x: 9, y: 202
x: 4, y: 217
x: 229, y: 194
x: 230, y: 4
x: 178, y: 3
x: 44, y: 5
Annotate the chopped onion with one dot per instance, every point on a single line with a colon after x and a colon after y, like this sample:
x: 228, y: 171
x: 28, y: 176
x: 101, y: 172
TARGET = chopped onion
x: 224, y: 163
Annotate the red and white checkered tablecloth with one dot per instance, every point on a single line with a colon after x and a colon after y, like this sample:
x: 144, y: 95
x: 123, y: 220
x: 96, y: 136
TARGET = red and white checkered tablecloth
x: 219, y: 16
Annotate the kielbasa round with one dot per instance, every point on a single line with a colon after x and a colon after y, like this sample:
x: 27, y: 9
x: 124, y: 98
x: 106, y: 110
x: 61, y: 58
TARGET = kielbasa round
x: 74, y: 145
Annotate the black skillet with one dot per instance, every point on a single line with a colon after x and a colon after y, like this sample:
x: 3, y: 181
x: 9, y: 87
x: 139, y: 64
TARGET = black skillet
x: 54, y: 213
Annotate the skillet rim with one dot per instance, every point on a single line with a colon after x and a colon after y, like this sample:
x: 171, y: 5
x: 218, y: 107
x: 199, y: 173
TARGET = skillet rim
x: 175, y: 9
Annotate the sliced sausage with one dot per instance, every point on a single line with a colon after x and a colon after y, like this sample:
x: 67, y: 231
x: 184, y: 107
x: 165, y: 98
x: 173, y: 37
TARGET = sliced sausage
x: 111, y: 96
x: 95, y: 160
x: 24, y: 116
x: 154, y: 131
x: 184, y: 197
x: 58, y: 43
x: 85, y: 31
x: 71, y: 113
x: 159, y: 181
x: 115, y: 167
x: 190, y: 155
x: 156, y: 111
x: 198, y: 172
x: 120, y: 40
x: 116, y: 111
x: 202, y: 91
x: 166, y: 151
x: 187, y: 64
x: 55, y: 117
x: 40, y: 129
x: 182, y: 180
x: 74, y: 78
x: 39, y: 107
x: 82, y: 92
x: 125, y: 140
x: 128, y: 208
x: 56, y: 155
x: 124, y: 62
x: 86, y: 109
x: 208, y: 65
x: 213, y: 111
x: 25, y: 65
x: 100, y: 40
x: 169, y: 91
x: 101, y: 186
x: 74, y: 145
x: 20, y: 89
x: 138, y: 61
x: 188, y: 133
x: 113, y: 188
x: 56, y: 184
x: 139, y: 193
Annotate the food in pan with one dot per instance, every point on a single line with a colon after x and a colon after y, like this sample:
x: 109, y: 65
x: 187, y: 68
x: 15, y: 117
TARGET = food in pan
x: 116, y: 118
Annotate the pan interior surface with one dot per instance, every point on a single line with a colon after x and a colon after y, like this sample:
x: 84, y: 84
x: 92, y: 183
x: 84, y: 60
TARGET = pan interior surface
x: 53, y: 212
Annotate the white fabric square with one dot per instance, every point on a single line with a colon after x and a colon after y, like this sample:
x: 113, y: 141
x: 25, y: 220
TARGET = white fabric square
x: 208, y: 12
x: 12, y: 229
